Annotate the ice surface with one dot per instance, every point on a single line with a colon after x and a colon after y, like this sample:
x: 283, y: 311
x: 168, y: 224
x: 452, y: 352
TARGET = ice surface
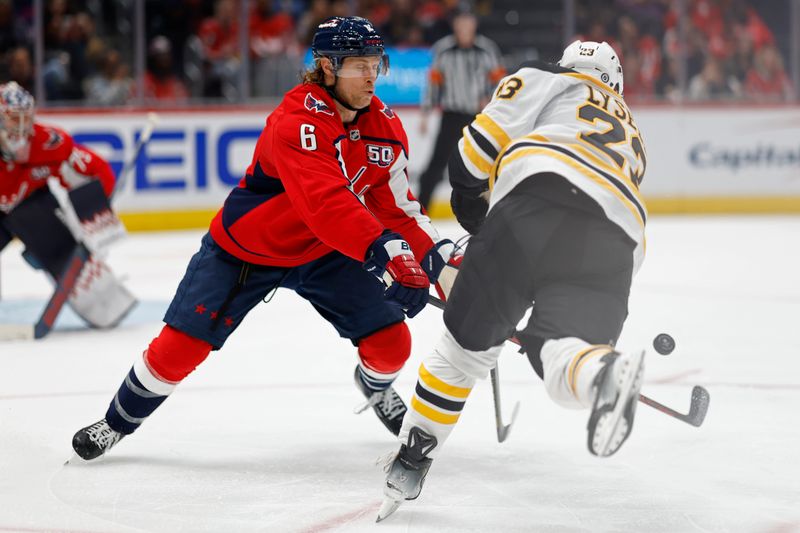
x: 262, y: 436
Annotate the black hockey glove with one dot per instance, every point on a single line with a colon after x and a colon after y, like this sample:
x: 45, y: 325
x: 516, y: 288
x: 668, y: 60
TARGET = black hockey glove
x: 470, y: 210
x: 390, y: 259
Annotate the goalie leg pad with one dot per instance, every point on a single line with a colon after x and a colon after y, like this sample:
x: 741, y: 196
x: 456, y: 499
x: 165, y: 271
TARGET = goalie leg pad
x: 386, y: 350
x: 173, y: 355
x: 99, y: 298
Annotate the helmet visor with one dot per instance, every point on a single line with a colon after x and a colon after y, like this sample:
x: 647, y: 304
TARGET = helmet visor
x: 362, y: 66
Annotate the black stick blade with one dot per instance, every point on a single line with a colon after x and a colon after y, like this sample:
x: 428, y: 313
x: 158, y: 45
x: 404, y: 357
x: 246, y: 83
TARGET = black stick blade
x: 700, y: 401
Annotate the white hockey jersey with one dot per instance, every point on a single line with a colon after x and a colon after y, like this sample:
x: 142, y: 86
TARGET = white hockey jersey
x: 544, y: 118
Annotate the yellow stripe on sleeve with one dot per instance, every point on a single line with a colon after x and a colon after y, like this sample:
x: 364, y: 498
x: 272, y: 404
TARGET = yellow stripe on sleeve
x: 473, y: 155
x: 431, y: 413
x: 603, y: 182
x: 438, y: 385
x: 490, y: 126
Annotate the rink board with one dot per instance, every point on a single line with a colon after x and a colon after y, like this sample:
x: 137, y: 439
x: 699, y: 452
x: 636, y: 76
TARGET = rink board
x: 700, y: 159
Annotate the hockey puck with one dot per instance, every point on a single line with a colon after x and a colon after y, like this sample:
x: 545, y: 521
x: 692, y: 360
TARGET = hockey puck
x: 664, y: 344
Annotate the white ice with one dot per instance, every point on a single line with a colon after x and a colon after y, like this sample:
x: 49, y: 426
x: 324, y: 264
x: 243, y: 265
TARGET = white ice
x: 262, y: 436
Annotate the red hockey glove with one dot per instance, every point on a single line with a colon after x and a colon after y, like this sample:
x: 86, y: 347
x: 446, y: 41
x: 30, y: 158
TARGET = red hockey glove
x: 390, y: 259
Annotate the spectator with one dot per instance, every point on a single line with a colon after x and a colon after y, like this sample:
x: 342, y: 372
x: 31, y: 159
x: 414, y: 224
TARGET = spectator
x: 713, y: 84
x: 318, y: 11
x: 10, y: 33
x: 274, y: 50
x: 341, y: 8
x: 642, y: 57
x: 67, y: 38
x: 668, y: 84
x: 400, y: 23
x: 466, y: 69
x: 20, y: 68
x: 219, y: 36
x: 160, y: 81
x: 113, y: 84
x: 432, y: 19
x: 767, y: 79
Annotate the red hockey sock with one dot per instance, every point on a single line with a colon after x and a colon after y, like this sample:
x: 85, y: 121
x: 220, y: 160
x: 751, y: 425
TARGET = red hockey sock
x: 173, y: 355
x: 386, y: 350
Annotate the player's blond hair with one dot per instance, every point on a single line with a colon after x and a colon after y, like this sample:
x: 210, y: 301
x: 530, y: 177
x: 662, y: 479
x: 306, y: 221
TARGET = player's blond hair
x: 315, y: 74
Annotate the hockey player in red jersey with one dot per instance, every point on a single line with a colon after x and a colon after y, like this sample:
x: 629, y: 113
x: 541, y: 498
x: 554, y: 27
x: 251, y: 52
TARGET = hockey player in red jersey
x: 39, y: 162
x: 324, y: 209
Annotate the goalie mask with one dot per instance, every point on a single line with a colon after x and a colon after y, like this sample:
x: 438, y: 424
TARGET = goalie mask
x: 597, y: 60
x: 16, y: 122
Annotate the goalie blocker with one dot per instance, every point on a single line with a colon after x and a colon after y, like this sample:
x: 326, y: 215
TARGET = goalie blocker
x: 51, y: 227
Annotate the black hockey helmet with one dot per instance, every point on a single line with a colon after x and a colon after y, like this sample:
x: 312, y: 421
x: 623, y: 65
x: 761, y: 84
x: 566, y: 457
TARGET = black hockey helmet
x: 340, y: 37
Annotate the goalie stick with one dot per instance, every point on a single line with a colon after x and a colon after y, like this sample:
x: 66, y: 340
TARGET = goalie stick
x: 695, y: 417
x: 144, y: 138
x: 64, y: 285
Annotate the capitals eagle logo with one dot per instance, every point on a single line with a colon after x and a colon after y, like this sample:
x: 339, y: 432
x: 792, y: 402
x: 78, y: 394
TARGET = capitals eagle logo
x: 317, y: 106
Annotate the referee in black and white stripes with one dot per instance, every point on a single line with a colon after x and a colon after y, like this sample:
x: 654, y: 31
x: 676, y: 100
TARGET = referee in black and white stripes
x: 466, y: 68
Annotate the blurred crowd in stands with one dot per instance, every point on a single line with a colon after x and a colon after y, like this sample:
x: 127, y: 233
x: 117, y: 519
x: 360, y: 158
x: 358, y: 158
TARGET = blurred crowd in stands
x: 722, y: 49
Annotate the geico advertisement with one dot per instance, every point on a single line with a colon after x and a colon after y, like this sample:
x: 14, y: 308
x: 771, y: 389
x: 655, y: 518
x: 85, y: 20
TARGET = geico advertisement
x: 193, y: 159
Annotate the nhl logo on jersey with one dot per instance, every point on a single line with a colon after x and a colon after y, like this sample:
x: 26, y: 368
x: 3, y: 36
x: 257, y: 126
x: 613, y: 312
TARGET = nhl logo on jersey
x: 355, y: 135
x: 317, y: 106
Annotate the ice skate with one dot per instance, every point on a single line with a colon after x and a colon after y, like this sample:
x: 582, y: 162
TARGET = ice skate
x: 95, y: 440
x: 406, y: 473
x: 616, y: 389
x: 388, y: 405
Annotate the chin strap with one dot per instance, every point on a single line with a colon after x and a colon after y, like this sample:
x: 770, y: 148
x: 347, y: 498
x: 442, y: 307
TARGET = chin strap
x: 331, y: 89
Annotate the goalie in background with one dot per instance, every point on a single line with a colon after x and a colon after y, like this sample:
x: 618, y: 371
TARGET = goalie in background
x: 564, y: 229
x: 54, y: 193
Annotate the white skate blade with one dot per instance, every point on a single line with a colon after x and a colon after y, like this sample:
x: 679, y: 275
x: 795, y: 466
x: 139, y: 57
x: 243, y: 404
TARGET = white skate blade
x: 388, y: 506
x: 74, y: 458
x: 612, y: 428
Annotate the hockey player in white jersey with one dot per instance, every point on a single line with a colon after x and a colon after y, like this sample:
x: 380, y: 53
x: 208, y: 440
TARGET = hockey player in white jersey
x: 546, y: 179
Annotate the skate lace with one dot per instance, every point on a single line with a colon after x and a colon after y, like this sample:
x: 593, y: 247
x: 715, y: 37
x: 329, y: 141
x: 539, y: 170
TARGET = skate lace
x: 392, y: 404
x: 388, y: 401
x: 102, y: 435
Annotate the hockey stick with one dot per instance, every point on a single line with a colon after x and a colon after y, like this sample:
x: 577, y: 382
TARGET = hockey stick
x: 64, y: 285
x: 502, y: 429
x: 697, y: 409
x: 144, y: 138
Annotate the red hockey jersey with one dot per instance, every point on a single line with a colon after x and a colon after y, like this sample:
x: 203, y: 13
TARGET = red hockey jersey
x: 317, y: 185
x: 52, y: 153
